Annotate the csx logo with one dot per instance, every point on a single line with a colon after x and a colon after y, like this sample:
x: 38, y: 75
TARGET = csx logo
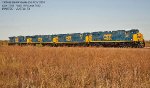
x: 107, y: 36
x: 68, y: 38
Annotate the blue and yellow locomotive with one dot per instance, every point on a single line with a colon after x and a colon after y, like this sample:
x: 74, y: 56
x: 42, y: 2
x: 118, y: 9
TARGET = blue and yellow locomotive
x: 120, y: 38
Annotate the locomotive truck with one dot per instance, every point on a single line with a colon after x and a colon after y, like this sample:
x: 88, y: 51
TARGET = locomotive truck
x: 119, y: 38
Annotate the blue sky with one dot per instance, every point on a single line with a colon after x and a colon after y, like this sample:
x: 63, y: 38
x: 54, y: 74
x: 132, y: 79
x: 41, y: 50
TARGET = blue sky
x: 69, y: 16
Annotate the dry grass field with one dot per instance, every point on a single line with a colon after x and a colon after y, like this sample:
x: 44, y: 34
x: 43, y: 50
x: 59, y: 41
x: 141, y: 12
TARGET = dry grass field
x: 147, y: 43
x: 74, y: 67
x: 3, y: 42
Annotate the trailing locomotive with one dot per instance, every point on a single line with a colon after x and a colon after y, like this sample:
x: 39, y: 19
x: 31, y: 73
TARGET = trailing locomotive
x: 120, y: 38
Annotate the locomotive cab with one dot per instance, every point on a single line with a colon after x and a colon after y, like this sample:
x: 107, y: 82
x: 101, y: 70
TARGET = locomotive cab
x: 139, y: 39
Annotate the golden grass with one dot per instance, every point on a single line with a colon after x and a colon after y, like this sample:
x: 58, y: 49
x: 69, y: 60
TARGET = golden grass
x: 147, y: 43
x: 3, y: 42
x: 74, y: 67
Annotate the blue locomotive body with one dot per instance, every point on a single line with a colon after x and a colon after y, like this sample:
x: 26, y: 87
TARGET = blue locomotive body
x: 121, y: 38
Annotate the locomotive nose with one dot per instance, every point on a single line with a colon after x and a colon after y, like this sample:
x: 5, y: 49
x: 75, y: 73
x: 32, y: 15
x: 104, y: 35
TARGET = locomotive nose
x: 138, y: 37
